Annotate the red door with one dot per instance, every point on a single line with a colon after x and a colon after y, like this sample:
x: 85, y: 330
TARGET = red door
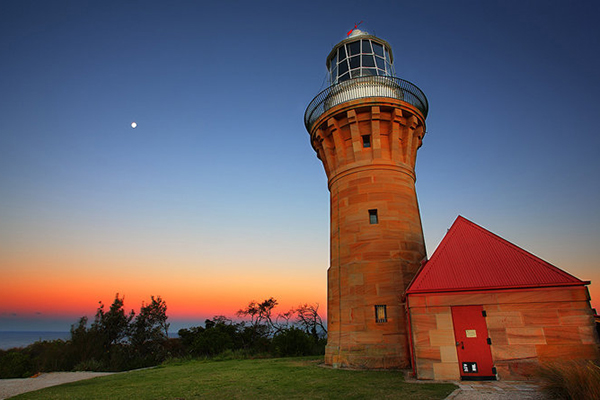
x: 472, y: 343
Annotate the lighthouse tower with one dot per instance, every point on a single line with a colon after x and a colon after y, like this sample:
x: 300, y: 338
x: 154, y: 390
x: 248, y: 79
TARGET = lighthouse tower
x: 366, y: 128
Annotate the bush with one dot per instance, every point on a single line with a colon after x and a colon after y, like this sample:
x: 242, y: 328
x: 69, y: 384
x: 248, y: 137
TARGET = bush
x: 293, y: 342
x: 571, y: 380
x: 212, y: 342
x: 255, y: 339
x: 89, y: 365
x: 54, y: 355
x: 15, y: 364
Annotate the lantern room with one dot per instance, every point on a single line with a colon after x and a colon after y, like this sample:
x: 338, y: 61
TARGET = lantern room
x: 359, y: 55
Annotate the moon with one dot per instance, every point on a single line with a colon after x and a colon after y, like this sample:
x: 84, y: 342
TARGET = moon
x: 133, y: 125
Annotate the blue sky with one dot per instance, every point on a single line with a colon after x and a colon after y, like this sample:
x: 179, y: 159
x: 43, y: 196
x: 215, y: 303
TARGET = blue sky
x: 217, y: 198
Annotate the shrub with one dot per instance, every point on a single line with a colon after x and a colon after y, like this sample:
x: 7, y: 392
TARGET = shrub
x: 255, y: 338
x: 15, y: 364
x: 212, y: 342
x: 51, y: 355
x: 571, y: 380
x: 89, y: 365
x: 293, y: 342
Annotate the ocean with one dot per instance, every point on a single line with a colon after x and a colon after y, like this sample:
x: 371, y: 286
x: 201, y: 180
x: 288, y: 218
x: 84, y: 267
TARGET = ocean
x: 9, y: 340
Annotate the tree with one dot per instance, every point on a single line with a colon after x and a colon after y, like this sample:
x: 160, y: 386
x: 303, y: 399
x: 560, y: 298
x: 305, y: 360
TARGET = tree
x: 149, y: 332
x: 308, y: 318
x: 284, y: 321
x: 118, y: 340
x: 150, y: 325
x: 215, y: 339
x: 85, y: 343
x: 113, y: 325
x: 188, y: 336
x: 261, y: 314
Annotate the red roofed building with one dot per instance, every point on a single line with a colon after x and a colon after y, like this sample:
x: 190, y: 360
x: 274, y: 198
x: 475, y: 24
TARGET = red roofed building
x: 483, y: 308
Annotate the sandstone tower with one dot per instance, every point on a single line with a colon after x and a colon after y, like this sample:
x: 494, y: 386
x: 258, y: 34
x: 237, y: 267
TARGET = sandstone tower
x: 366, y: 128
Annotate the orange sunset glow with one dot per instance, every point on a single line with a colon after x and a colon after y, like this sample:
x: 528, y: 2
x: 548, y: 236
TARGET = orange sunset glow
x: 61, y: 288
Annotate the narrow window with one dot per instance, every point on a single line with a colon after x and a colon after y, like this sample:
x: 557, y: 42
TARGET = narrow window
x: 378, y: 49
x: 366, y: 141
x: 354, y: 48
x: 380, y: 314
x: 368, y: 61
x: 366, y: 46
x: 343, y: 67
x: 354, y: 62
x: 373, y: 217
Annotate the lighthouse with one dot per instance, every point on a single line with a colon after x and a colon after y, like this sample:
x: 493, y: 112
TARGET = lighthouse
x: 366, y: 128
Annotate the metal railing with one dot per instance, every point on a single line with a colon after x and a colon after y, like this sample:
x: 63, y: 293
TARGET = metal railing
x: 362, y: 87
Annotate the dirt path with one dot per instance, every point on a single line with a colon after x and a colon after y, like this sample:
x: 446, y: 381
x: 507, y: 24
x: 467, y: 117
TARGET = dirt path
x: 13, y: 387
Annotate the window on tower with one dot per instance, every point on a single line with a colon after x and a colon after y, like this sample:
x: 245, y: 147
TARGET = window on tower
x: 380, y: 313
x: 366, y: 139
x: 373, y: 219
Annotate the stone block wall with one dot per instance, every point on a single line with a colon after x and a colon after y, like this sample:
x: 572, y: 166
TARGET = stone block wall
x: 368, y: 148
x: 526, y: 327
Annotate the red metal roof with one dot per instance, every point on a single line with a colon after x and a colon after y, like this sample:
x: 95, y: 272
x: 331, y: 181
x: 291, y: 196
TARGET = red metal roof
x: 472, y: 258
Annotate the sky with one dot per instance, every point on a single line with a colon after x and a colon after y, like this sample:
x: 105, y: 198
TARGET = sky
x: 217, y: 198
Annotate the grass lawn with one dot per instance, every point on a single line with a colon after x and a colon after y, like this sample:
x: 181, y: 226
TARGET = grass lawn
x: 282, y: 378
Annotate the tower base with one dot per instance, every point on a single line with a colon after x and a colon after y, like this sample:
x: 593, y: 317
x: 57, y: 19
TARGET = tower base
x: 367, y: 358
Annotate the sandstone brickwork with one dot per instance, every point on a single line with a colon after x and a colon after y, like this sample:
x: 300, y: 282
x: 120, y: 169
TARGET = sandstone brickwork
x: 526, y: 327
x: 368, y: 148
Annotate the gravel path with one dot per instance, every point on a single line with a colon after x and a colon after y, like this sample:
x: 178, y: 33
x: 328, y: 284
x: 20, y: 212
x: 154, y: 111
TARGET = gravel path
x: 497, y: 390
x: 13, y: 387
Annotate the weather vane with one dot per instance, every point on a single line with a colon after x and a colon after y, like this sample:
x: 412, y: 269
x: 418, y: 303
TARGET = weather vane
x: 355, y: 27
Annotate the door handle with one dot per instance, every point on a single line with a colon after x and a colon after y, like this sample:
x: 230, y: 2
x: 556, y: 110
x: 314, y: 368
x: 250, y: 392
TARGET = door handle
x: 461, y: 344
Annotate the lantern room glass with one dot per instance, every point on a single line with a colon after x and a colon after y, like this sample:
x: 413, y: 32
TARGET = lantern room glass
x: 363, y: 57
